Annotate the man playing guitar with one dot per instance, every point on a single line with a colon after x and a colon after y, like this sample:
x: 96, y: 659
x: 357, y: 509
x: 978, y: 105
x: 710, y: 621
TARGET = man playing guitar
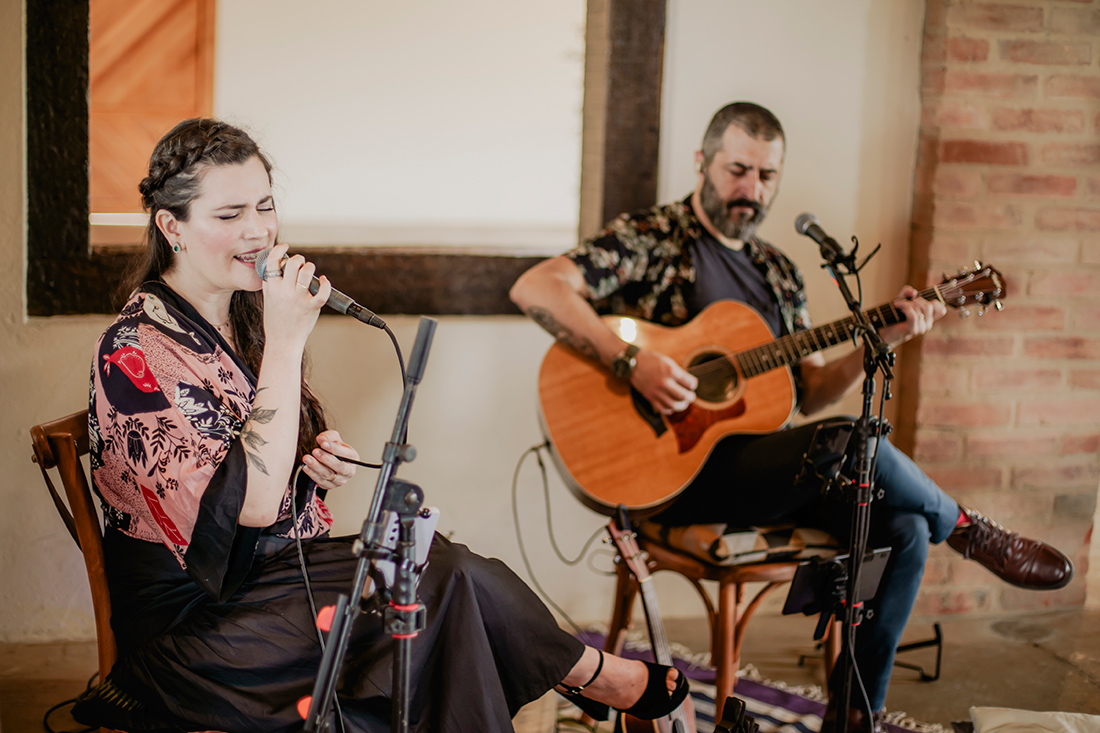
x: 666, y: 266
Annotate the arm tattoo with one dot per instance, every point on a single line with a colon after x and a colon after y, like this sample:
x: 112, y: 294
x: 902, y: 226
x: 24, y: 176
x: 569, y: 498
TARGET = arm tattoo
x: 252, y: 441
x: 546, y: 319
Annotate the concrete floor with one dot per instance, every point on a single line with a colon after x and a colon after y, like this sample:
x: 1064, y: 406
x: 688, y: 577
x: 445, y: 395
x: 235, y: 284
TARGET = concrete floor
x: 1038, y: 662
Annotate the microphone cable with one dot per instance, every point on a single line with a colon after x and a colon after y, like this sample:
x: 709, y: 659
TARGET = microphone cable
x: 46, y: 717
x: 537, y: 451
x: 308, y: 585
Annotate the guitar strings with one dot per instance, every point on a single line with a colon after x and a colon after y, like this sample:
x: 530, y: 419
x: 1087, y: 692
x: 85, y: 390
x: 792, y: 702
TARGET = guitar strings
x: 758, y: 359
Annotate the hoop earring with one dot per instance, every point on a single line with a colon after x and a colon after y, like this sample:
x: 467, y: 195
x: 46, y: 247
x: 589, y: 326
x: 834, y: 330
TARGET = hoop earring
x: 176, y: 247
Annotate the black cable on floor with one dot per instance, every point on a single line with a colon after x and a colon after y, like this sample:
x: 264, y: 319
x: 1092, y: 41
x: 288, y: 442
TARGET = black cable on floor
x: 58, y: 706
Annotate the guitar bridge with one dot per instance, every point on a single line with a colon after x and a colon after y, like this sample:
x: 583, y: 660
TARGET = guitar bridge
x: 645, y: 410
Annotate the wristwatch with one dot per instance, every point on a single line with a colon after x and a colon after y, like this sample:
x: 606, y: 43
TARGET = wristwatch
x: 623, y: 363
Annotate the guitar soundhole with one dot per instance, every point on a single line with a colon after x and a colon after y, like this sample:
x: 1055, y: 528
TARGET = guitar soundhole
x: 717, y: 377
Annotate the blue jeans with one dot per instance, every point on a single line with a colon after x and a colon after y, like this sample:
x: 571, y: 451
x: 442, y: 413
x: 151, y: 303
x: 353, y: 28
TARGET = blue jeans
x: 753, y: 480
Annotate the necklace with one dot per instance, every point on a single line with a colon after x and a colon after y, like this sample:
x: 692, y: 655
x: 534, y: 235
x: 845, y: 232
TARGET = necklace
x: 225, y: 329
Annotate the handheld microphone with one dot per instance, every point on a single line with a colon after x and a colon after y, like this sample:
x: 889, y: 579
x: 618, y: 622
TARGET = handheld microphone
x: 336, y: 300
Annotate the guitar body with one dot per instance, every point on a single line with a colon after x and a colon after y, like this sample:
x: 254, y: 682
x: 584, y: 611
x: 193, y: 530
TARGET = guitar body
x: 611, y: 452
x: 626, y: 724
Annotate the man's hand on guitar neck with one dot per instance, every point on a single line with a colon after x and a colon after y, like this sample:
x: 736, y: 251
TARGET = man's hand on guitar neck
x: 667, y: 385
x: 920, y: 314
x: 825, y: 383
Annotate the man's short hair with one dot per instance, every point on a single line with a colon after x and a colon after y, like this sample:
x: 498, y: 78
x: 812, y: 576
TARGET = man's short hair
x: 757, y: 121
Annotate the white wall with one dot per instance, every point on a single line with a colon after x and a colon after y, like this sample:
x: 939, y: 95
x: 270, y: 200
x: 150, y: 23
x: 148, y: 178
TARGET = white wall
x: 842, y: 77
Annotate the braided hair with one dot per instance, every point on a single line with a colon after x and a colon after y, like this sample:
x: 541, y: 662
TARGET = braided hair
x: 175, y: 178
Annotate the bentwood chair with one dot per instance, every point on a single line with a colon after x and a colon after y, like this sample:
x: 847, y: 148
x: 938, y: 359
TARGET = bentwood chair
x: 704, y: 553
x: 59, y: 444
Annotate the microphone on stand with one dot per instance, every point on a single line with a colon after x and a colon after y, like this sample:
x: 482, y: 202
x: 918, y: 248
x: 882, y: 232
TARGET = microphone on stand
x: 336, y: 300
x: 808, y: 225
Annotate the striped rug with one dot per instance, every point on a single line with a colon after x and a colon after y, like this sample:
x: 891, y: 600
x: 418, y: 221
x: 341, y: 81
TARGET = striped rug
x: 775, y: 707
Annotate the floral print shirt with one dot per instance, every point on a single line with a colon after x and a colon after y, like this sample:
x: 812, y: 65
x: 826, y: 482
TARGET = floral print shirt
x: 168, y: 401
x: 640, y: 263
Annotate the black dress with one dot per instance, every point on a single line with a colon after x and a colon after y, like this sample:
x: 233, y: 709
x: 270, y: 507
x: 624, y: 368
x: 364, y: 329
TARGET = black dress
x: 489, y: 646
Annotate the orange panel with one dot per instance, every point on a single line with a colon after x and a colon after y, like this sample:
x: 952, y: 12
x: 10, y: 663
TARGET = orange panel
x: 150, y: 66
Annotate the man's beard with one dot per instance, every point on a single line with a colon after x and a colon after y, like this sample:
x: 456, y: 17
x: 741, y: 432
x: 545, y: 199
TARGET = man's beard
x: 718, y: 211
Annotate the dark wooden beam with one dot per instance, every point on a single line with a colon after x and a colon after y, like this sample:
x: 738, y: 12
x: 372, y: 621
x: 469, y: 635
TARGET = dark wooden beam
x: 624, y: 62
x: 57, y: 151
x: 65, y: 276
x: 388, y: 281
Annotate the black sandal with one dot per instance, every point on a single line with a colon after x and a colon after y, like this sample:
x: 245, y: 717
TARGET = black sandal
x: 591, y: 708
x: 656, y: 701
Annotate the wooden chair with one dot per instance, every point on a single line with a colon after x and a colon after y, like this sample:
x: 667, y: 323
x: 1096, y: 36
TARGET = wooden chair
x: 59, y: 444
x: 731, y: 617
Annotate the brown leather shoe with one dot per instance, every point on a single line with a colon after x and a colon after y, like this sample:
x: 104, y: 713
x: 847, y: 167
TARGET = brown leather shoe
x: 857, y: 720
x: 1021, y: 561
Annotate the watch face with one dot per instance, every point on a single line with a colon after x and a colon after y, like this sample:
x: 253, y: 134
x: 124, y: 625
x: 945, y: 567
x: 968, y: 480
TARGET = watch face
x: 622, y: 366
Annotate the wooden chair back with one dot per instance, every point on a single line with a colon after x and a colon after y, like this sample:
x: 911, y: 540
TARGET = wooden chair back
x: 59, y: 444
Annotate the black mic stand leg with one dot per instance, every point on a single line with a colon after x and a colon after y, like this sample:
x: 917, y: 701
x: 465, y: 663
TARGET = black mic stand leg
x: 876, y: 356
x: 405, y: 616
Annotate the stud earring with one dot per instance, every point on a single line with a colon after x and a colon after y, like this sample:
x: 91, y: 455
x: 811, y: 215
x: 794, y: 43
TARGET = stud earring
x: 176, y: 247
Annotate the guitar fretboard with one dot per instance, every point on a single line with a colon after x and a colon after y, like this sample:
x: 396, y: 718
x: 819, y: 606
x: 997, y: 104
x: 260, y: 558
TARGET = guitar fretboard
x: 789, y: 350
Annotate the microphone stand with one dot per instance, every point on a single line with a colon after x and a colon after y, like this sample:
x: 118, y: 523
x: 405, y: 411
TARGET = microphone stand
x: 404, y: 617
x: 876, y: 355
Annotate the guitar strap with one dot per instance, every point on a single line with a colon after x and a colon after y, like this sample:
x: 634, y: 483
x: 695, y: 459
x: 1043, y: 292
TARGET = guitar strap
x: 825, y: 457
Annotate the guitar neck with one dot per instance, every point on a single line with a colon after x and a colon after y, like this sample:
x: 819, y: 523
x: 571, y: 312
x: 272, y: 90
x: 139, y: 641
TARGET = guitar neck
x: 789, y: 350
x: 657, y: 637
x: 678, y: 720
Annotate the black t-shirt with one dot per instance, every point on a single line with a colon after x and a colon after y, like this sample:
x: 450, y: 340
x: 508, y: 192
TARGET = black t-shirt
x: 726, y: 274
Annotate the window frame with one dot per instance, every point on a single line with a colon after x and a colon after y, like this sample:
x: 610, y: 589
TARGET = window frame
x: 66, y: 276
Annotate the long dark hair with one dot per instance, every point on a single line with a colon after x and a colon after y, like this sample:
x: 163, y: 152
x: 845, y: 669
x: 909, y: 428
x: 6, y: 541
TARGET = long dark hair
x: 175, y: 176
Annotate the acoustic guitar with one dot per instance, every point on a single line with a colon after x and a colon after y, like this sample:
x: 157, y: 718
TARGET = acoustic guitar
x: 613, y: 448
x: 682, y: 719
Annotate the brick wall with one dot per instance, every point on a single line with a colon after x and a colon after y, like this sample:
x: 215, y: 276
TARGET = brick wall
x: 1004, y: 410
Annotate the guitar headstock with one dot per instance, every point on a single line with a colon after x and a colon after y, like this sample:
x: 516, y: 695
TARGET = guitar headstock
x: 983, y: 286
x: 622, y: 534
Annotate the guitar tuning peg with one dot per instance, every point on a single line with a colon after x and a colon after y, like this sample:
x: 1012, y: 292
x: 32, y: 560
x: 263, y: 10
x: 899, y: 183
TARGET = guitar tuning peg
x: 964, y: 312
x: 998, y: 305
x: 981, y: 311
x: 977, y: 265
